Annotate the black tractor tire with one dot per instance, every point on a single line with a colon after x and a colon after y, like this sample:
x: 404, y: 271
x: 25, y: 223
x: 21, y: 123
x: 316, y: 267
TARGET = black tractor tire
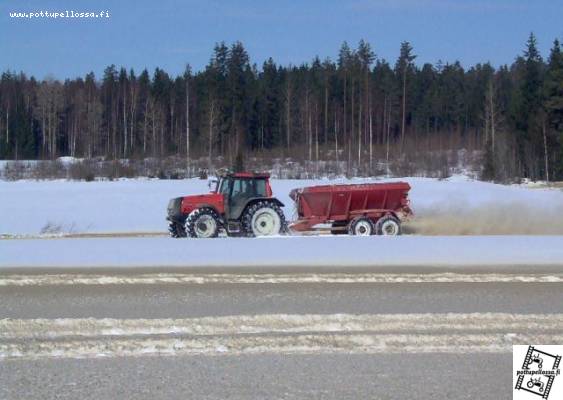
x: 176, y: 229
x: 388, y: 225
x: 203, y: 223
x: 361, y: 226
x: 254, y: 209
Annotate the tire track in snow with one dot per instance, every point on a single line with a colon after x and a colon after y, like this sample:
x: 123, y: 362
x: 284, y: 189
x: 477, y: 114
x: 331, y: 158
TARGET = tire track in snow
x: 201, y: 279
x: 288, y: 344
x: 276, y: 333
x: 278, y: 323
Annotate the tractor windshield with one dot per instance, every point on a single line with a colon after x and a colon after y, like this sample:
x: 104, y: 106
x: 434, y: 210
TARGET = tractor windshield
x: 223, y: 187
x: 260, y: 187
x: 249, y: 188
x: 242, y: 187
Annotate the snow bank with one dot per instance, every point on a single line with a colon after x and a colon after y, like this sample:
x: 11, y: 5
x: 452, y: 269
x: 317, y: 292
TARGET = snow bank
x: 512, y: 252
x: 139, y: 205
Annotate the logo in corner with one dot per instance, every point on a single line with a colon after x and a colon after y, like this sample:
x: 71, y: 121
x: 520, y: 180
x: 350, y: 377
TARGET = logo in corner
x: 537, y: 372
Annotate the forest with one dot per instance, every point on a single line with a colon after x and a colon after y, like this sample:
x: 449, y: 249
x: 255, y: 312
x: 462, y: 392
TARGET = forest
x: 359, y: 111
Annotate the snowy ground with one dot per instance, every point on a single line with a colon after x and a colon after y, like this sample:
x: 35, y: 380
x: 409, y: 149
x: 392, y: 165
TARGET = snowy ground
x: 527, y: 223
x: 406, y: 253
x: 454, y: 206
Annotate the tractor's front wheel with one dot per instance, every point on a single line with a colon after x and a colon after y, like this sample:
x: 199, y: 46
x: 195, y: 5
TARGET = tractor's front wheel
x: 176, y: 229
x: 264, y: 218
x: 203, y: 223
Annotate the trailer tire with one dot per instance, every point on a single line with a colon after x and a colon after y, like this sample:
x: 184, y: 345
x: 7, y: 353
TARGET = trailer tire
x: 203, y: 223
x: 388, y: 225
x: 361, y: 226
x: 176, y: 230
x: 339, y: 228
x: 263, y: 218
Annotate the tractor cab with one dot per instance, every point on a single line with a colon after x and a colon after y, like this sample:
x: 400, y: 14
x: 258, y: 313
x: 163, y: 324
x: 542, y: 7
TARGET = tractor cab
x: 239, y: 188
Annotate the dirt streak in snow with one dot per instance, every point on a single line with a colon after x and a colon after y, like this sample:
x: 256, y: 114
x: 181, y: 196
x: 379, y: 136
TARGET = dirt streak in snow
x: 276, y: 333
x: 365, y: 343
x: 60, y: 328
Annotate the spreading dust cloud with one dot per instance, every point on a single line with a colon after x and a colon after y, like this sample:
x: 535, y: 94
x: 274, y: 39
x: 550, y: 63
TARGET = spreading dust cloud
x: 504, y: 219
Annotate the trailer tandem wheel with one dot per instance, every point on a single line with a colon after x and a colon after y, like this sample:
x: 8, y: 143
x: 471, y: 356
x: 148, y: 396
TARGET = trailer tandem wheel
x: 388, y: 225
x: 361, y: 227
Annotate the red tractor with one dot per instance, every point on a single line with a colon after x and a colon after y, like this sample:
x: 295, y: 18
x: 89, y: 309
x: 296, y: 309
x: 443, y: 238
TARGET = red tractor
x: 240, y: 204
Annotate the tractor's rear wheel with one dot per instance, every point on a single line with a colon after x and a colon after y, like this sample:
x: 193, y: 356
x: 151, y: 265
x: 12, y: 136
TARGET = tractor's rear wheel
x: 176, y: 229
x: 203, y: 223
x: 264, y: 218
x: 388, y: 226
x: 361, y: 227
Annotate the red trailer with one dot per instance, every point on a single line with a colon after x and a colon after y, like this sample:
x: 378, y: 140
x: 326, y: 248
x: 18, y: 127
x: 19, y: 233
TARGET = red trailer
x: 362, y: 209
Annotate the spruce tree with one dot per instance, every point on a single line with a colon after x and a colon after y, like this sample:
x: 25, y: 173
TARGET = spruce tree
x: 239, y: 163
x: 403, y: 68
x: 553, y: 103
x: 526, y: 110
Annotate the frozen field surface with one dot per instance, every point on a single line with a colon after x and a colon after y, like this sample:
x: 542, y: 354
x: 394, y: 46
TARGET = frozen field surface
x: 442, y: 207
x: 522, y: 253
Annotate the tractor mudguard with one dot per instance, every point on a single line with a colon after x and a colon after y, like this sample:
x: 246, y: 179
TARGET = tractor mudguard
x: 205, y: 205
x: 180, y: 217
x: 174, y: 210
x: 251, y: 201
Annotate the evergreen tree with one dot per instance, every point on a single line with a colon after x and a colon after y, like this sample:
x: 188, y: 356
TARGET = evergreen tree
x: 270, y: 106
x: 403, y: 69
x: 239, y: 163
x: 553, y: 103
x: 238, y: 101
x: 489, y: 172
x: 322, y: 110
x: 526, y: 107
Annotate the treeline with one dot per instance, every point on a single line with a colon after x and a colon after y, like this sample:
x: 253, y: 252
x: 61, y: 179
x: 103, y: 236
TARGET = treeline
x: 359, y: 111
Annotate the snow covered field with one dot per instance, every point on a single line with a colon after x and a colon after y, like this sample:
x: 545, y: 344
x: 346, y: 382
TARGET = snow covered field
x: 454, y: 206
